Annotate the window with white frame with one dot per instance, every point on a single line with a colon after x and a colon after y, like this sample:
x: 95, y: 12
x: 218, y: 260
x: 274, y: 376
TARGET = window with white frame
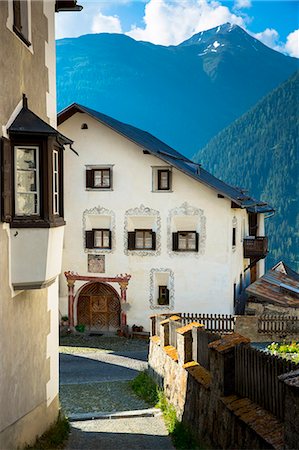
x: 55, y: 182
x: 27, y: 194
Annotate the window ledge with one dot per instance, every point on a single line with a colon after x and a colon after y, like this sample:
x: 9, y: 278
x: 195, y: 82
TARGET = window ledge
x: 36, y: 223
x: 21, y: 36
x: 98, y: 189
x: 163, y: 191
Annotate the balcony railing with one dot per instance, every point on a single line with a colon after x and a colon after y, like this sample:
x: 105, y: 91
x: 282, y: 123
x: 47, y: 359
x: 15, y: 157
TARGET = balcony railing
x: 255, y: 247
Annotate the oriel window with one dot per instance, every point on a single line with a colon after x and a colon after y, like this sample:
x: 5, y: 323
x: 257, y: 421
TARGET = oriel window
x: 27, y: 195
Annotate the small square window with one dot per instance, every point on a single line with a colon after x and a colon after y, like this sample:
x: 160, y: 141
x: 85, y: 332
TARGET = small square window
x: 141, y: 240
x: 162, y: 179
x: 163, y: 298
x: 99, y: 178
x: 98, y: 238
x: 185, y: 241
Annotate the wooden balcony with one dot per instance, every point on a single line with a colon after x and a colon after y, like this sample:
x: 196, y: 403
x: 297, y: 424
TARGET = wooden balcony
x: 255, y: 247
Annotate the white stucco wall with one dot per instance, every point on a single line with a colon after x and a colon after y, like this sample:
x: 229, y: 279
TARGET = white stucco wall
x: 29, y: 327
x: 203, y: 281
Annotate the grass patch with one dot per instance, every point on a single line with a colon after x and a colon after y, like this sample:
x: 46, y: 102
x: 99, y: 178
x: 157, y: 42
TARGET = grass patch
x: 182, y: 438
x: 55, y: 437
x: 285, y: 350
x: 144, y: 386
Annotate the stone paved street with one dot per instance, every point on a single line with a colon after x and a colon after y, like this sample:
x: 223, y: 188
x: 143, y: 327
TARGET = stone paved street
x: 94, y: 380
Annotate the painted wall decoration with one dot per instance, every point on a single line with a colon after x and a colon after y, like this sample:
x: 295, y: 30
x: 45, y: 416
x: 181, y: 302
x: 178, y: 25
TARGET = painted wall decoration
x: 96, y: 263
x: 99, y: 211
x: 152, y: 288
x: 187, y: 210
x: 143, y: 211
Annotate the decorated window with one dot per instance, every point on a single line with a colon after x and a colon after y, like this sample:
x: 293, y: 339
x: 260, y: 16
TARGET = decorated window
x: 141, y: 240
x: 163, y: 298
x: 32, y: 172
x: 185, y: 241
x: 98, y: 238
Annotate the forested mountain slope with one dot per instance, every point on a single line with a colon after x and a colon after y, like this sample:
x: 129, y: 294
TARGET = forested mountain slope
x: 183, y: 94
x: 260, y: 152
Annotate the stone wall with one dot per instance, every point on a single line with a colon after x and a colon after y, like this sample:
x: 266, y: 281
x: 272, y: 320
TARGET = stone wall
x: 205, y: 400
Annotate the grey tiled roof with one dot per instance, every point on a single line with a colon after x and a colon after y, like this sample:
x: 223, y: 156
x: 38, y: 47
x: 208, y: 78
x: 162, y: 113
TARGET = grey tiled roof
x: 154, y: 146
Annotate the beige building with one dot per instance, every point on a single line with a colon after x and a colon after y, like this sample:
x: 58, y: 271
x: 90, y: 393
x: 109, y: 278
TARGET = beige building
x: 32, y: 222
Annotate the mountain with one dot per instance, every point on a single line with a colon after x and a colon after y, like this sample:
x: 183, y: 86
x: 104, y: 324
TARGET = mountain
x: 182, y: 94
x: 259, y: 152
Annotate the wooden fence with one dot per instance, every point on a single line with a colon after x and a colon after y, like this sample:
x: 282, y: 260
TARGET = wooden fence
x: 278, y: 324
x: 200, y: 350
x: 214, y: 323
x: 256, y: 377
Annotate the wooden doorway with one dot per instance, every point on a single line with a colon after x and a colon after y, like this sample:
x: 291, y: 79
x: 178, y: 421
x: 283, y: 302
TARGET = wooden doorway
x: 98, y: 307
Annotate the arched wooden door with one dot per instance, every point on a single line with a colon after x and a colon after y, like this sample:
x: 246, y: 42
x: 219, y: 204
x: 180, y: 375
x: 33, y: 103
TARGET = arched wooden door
x: 98, y: 307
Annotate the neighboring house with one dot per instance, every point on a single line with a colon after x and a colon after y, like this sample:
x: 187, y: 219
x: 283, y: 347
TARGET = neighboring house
x: 277, y: 292
x: 135, y: 206
x: 32, y: 223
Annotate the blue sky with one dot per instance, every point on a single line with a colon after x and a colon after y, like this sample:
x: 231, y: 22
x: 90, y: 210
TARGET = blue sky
x: 169, y: 22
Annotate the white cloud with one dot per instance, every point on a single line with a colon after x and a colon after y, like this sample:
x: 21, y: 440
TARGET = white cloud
x: 106, y: 24
x: 90, y: 20
x: 269, y: 37
x: 239, y: 4
x: 292, y: 44
x: 171, y: 22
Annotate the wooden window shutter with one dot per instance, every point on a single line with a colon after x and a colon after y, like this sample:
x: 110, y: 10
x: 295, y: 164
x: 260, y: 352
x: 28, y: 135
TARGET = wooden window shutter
x: 131, y: 240
x: 110, y: 239
x: 89, y: 178
x: 89, y: 239
x: 196, y: 241
x: 153, y: 240
x: 175, y: 241
x: 167, y: 296
x: 7, y: 177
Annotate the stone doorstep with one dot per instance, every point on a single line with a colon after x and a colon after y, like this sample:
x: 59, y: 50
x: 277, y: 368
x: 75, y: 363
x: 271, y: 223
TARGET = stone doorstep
x: 150, y: 412
x: 265, y: 424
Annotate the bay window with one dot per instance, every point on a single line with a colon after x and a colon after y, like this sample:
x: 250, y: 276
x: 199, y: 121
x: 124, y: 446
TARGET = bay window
x: 27, y: 194
x: 32, y: 173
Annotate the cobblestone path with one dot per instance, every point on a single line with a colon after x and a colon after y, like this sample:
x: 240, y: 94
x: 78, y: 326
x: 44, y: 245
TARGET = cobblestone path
x: 94, y: 381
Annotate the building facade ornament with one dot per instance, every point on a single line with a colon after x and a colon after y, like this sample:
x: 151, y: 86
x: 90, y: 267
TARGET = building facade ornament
x: 143, y: 211
x: 99, y: 211
x: 187, y: 210
x: 152, y: 299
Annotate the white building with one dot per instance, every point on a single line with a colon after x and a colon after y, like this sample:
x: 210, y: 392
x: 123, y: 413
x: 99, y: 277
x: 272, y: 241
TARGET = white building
x: 135, y: 206
x: 32, y: 223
